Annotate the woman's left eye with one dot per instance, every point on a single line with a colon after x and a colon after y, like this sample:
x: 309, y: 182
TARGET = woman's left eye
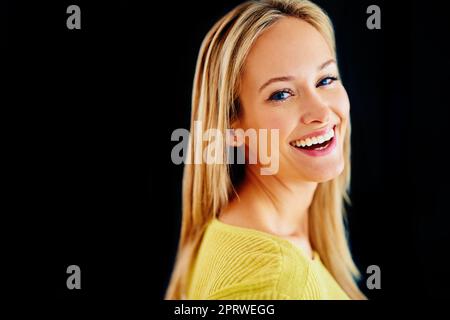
x: 326, y: 81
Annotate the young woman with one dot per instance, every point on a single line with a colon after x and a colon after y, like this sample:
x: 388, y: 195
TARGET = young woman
x: 269, y: 65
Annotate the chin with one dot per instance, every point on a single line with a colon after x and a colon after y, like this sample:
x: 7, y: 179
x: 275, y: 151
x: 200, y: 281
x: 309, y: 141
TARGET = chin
x: 324, y: 173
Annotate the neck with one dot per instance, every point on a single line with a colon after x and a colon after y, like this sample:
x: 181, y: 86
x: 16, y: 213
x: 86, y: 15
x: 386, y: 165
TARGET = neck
x: 266, y: 203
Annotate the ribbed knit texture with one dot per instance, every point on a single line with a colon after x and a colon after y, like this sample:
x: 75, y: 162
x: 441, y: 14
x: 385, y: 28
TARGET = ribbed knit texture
x: 246, y: 264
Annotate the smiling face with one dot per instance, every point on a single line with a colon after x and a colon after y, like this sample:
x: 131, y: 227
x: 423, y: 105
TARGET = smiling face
x: 290, y: 82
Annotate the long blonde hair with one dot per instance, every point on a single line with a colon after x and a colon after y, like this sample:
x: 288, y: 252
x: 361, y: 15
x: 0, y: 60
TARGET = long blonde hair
x: 207, y: 188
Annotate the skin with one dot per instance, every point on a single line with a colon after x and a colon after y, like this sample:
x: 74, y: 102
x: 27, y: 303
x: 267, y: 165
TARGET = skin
x: 279, y: 204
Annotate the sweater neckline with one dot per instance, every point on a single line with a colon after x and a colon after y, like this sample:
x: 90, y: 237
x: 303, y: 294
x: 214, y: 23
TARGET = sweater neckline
x: 278, y: 239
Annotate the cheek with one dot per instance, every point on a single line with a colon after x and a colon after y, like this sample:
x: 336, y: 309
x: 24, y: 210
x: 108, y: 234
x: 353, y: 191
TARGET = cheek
x: 271, y: 118
x: 341, y: 104
x: 268, y: 118
x: 280, y: 121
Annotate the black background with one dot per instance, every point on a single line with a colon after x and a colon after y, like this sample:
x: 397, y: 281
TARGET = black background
x: 88, y: 115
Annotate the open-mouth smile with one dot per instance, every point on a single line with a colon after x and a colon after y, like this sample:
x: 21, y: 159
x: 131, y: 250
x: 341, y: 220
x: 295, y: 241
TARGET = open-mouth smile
x: 316, y: 144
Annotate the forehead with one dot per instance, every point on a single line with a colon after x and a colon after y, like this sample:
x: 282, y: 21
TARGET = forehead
x: 289, y: 46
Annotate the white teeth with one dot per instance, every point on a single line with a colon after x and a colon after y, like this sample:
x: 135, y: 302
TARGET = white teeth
x: 314, y: 140
x: 331, y: 133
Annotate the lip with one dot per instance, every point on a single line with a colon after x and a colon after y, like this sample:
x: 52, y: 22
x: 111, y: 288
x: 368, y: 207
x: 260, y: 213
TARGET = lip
x: 319, y: 153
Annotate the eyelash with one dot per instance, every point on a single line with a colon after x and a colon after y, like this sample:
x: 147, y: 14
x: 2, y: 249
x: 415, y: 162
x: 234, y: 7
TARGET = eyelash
x: 332, y: 78
x: 278, y: 92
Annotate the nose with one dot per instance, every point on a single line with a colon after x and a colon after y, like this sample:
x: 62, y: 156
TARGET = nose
x: 314, y: 109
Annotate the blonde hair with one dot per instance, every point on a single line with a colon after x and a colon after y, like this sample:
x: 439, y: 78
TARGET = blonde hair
x: 207, y: 188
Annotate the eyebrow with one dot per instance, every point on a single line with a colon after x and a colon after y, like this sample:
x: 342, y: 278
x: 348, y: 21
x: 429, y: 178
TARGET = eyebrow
x: 290, y: 78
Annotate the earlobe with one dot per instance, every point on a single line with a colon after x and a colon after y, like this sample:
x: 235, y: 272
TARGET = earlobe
x: 234, y: 137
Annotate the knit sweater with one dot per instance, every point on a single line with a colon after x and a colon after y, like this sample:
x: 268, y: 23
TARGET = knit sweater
x: 245, y: 264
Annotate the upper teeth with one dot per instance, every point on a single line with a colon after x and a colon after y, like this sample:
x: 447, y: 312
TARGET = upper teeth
x: 314, y: 140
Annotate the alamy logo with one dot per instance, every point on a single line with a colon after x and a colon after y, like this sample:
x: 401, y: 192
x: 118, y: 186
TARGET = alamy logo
x: 374, y: 20
x: 374, y: 281
x: 209, y: 147
x: 74, y: 20
x: 74, y: 280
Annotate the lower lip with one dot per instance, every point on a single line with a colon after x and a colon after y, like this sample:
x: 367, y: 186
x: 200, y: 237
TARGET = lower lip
x: 319, y: 153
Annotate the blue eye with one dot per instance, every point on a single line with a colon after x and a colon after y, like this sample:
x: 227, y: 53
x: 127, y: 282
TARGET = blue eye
x: 326, y: 81
x: 280, y: 95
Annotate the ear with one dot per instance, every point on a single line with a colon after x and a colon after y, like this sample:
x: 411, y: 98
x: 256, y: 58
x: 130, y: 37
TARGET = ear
x: 235, y: 135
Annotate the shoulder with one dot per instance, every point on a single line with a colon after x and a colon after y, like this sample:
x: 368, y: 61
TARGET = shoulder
x: 239, y: 263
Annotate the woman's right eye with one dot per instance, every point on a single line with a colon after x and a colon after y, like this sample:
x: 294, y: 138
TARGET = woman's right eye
x: 280, y: 95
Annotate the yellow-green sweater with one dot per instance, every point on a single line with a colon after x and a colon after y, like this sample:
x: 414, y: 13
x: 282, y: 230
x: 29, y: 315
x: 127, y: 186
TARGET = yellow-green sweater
x: 241, y: 263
